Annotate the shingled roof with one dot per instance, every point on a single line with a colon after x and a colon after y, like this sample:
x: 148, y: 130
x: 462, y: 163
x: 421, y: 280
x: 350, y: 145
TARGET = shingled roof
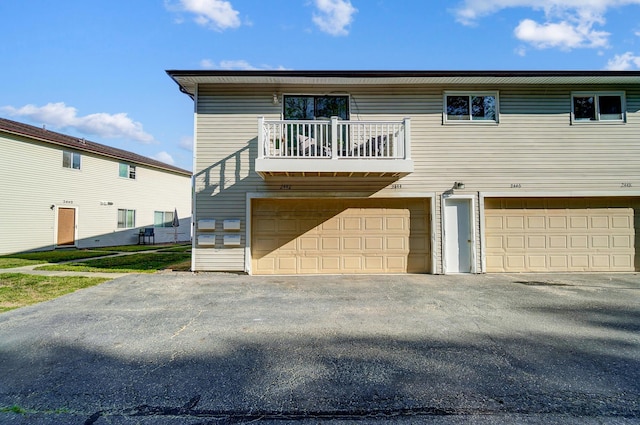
x: 48, y: 136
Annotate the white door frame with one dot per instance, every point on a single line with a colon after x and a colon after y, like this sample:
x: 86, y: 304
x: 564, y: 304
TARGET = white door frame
x: 472, y: 223
x: 56, y: 224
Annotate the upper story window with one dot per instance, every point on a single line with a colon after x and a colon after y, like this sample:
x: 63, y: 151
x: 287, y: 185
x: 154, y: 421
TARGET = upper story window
x: 597, y: 106
x: 471, y: 106
x: 303, y: 107
x: 127, y: 171
x: 71, y: 160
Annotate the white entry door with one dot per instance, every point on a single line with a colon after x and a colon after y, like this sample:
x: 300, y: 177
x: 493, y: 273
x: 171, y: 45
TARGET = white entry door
x: 458, y: 235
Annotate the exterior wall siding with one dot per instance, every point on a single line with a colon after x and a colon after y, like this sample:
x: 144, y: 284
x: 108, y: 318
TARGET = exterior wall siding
x: 534, y: 149
x: 34, y: 180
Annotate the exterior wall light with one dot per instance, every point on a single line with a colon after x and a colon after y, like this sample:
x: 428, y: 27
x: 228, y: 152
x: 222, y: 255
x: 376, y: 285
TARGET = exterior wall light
x: 275, y: 99
x: 458, y: 185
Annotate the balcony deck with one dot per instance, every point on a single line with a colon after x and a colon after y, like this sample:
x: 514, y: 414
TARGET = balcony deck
x: 334, y: 148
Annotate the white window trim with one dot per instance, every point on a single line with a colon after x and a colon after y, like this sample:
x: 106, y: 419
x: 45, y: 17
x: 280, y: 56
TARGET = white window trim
x: 494, y: 93
x: 72, y: 153
x: 128, y: 176
x: 596, y: 94
x: 165, y: 223
x: 304, y: 94
x: 125, y: 218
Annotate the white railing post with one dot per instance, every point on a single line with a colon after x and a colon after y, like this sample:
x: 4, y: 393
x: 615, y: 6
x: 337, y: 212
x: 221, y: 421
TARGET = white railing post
x: 334, y: 137
x: 261, y: 137
x: 407, y: 138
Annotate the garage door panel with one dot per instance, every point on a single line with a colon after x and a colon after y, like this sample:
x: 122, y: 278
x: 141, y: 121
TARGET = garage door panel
x: 340, y: 236
x: 562, y: 239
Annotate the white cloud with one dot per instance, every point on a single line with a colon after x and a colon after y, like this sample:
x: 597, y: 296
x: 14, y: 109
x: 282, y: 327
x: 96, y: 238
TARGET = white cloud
x: 239, y: 64
x: 562, y: 35
x: 218, y: 15
x: 164, y: 157
x: 59, y: 115
x: 334, y: 16
x: 568, y: 24
x: 623, y: 62
x: 186, y: 143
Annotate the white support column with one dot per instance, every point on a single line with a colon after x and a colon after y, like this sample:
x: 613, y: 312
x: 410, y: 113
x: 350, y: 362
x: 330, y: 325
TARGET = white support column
x: 260, y: 137
x: 334, y: 137
x: 407, y: 138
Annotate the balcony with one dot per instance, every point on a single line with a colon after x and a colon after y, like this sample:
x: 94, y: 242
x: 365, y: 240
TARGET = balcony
x: 334, y: 147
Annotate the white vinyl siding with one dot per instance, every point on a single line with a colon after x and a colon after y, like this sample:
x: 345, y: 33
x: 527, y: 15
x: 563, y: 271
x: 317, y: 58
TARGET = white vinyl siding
x: 30, y: 200
x: 533, y: 149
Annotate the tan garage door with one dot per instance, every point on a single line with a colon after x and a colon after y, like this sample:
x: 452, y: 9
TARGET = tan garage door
x: 558, y: 235
x: 311, y: 236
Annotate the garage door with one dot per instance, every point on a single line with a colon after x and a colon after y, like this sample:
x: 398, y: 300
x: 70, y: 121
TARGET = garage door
x: 311, y: 236
x: 558, y: 236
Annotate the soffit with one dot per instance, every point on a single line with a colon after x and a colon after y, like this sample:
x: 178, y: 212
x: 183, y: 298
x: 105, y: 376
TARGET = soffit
x: 188, y: 80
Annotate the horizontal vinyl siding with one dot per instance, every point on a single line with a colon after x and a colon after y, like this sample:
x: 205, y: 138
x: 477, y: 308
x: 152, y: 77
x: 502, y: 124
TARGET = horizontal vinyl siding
x: 534, y: 146
x: 34, y: 179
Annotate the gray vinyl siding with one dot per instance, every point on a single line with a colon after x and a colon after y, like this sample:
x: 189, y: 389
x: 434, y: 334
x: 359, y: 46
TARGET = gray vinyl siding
x: 34, y: 180
x: 534, y: 148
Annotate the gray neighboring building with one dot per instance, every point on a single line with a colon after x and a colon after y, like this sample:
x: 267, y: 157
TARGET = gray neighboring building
x: 415, y: 171
x: 61, y: 191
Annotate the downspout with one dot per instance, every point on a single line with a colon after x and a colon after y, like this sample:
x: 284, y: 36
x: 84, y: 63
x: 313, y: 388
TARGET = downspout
x: 194, y: 237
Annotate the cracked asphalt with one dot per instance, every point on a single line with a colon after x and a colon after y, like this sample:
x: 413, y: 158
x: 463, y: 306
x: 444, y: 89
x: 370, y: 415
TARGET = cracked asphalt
x: 178, y: 348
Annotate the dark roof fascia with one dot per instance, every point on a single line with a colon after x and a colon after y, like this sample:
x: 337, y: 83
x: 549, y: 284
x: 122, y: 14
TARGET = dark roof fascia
x: 388, y: 74
x: 55, y: 138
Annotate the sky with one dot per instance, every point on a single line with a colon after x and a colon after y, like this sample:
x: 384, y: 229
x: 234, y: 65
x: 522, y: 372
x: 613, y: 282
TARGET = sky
x: 96, y: 68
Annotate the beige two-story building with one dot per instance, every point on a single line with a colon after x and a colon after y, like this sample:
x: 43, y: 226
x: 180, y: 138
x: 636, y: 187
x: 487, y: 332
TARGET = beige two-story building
x: 415, y: 171
x: 60, y: 191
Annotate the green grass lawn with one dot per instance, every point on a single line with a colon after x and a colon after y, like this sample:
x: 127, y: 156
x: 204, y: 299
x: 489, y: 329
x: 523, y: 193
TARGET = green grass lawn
x: 136, y: 248
x: 19, y: 290
x: 7, y: 263
x: 132, y: 263
x: 58, y: 256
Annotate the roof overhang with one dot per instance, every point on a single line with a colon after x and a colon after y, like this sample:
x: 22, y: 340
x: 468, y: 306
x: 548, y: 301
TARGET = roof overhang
x: 188, y: 80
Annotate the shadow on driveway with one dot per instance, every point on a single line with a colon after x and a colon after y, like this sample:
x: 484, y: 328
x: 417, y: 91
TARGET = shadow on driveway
x: 228, y: 349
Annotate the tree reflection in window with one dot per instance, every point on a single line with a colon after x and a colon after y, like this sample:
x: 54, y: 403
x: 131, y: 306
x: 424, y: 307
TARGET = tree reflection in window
x: 313, y: 107
x: 471, y: 108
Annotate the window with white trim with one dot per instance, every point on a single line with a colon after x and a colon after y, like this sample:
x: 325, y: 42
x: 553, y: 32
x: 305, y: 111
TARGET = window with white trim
x: 471, y: 107
x: 126, y: 219
x: 71, y: 160
x: 597, y: 106
x: 127, y: 171
x: 309, y: 107
x: 163, y: 219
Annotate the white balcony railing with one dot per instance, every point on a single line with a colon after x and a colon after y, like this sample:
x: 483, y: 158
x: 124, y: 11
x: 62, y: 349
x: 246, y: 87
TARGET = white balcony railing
x: 333, y: 139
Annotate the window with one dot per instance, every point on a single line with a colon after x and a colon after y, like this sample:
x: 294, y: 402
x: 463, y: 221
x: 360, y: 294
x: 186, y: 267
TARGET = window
x: 71, y: 160
x: 593, y: 107
x: 126, y: 219
x: 127, y: 171
x: 466, y: 107
x: 163, y: 219
x: 314, y: 107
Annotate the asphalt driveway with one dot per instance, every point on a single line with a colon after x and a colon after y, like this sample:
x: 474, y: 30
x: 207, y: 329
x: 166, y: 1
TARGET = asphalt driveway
x: 178, y: 348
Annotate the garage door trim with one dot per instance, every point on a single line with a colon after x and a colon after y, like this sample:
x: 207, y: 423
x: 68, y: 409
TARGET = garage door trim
x: 250, y: 196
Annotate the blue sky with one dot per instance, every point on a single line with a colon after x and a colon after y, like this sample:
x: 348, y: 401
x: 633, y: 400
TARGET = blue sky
x: 95, y: 69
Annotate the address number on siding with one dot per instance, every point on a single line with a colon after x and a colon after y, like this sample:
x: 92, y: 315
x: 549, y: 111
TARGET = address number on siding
x: 626, y: 184
x: 516, y: 185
